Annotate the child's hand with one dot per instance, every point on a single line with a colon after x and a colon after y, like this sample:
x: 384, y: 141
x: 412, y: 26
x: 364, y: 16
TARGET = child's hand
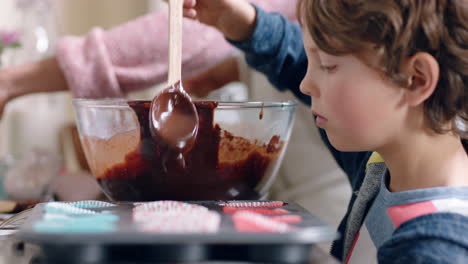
x: 234, y: 18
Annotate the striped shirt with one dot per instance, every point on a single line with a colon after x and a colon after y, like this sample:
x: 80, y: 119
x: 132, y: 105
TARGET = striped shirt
x: 390, y: 209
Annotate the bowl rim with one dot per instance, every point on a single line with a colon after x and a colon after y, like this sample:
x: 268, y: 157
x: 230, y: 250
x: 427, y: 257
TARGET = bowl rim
x: 122, y: 103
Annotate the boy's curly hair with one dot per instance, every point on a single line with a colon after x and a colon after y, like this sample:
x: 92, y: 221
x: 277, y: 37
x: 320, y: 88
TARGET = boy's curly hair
x: 401, y: 28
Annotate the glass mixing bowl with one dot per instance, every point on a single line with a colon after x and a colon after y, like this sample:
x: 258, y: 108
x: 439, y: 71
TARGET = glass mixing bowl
x: 237, y: 153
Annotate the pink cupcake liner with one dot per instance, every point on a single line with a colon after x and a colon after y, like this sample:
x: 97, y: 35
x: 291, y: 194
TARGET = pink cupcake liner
x: 290, y: 219
x: 256, y: 223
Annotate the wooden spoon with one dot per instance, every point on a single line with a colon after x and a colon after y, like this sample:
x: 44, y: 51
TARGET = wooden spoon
x: 173, y: 116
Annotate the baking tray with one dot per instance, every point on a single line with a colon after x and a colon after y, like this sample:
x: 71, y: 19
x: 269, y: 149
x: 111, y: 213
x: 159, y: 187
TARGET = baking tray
x: 126, y: 242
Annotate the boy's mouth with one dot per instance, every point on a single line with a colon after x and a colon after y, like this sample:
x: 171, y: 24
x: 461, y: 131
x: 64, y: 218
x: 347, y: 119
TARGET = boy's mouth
x: 316, y: 114
x: 320, y: 120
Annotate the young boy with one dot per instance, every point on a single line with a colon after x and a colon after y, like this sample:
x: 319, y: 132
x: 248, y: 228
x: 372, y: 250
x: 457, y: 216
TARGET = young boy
x: 389, y: 76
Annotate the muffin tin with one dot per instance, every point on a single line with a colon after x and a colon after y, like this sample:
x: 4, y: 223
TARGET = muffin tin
x: 98, y: 232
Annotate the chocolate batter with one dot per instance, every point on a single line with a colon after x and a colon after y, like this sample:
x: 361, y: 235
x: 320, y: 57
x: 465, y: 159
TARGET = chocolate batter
x: 220, y: 166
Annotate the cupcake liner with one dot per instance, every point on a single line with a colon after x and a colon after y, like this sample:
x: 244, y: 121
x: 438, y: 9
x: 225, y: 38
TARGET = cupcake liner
x: 263, y: 211
x: 175, y: 217
x: 253, y: 204
x: 90, y: 204
x: 66, y: 209
x: 256, y: 223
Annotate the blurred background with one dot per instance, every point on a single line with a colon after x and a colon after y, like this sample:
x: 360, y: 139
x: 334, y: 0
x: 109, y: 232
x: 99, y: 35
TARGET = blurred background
x: 45, y: 139
x: 40, y: 23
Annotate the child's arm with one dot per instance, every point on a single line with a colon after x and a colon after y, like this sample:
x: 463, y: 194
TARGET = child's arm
x: 276, y: 49
x: 271, y: 43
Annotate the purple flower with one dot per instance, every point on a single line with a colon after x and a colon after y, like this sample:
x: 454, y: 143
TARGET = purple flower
x: 9, y: 38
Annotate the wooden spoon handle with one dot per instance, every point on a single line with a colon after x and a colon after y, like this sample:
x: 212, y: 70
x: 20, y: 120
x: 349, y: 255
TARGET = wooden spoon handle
x: 175, y: 41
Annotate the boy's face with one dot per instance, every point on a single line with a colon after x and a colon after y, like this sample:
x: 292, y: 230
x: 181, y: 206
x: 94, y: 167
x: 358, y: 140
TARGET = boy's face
x: 360, y: 110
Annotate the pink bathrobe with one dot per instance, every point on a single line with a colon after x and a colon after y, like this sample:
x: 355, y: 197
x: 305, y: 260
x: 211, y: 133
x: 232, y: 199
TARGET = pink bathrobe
x: 134, y: 56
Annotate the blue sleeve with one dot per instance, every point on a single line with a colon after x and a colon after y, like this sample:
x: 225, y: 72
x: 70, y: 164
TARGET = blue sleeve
x: 436, y: 238
x: 276, y: 49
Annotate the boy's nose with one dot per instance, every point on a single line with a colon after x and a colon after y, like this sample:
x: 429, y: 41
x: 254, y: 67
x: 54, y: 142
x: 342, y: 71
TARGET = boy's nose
x: 309, y: 88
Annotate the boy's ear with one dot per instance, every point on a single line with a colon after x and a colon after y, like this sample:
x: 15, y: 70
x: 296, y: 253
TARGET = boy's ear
x: 423, y: 71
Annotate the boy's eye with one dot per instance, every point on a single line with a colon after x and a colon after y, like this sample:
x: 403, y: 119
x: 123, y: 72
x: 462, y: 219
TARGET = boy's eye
x: 329, y: 69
